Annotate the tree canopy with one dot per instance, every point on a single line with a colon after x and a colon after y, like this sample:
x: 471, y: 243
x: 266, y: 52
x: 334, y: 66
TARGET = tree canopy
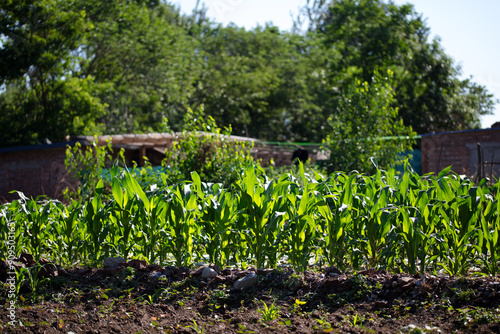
x: 44, y: 94
x: 375, y: 35
x: 91, y: 67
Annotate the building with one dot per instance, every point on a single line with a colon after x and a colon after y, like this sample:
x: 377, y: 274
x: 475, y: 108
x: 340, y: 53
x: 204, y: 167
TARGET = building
x: 475, y: 153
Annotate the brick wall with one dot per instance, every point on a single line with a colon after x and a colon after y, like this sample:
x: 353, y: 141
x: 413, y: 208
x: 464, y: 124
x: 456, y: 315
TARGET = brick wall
x: 36, y: 171
x: 40, y: 170
x: 459, y: 149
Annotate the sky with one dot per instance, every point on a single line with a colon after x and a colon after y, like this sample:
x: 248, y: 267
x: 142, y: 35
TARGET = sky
x: 467, y: 30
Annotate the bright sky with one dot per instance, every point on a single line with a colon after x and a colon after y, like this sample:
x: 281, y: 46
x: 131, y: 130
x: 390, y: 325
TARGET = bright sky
x: 468, y: 30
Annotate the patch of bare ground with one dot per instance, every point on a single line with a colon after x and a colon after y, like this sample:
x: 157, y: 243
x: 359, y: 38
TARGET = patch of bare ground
x: 137, y: 298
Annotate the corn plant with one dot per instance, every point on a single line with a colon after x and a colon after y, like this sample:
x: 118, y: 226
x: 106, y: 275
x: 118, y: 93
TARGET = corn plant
x: 301, y: 225
x: 411, y: 237
x: 218, y: 212
x: 260, y: 225
x: 154, y: 230
x: 66, y: 233
x: 398, y: 222
x: 95, y: 218
x: 488, y: 243
x: 122, y: 215
x: 454, y: 249
x: 460, y: 225
x: 148, y: 218
x: 180, y: 214
x: 11, y: 217
x: 31, y: 274
x: 428, y: 219
x: 300, y: 229
x: 36, y: 214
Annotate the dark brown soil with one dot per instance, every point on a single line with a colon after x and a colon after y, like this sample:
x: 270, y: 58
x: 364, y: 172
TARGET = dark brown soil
x: 133, y: 300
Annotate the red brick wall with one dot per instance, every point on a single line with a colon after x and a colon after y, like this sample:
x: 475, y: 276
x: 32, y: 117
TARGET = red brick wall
x: 459, y: 149
x: 33, y: 172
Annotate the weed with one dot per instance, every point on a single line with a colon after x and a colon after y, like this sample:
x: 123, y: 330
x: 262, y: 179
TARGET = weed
x: 285, y: 323
x: 324, y: 326
x: 269, y: 313
x: 197, y: 329
x: 294, y: 282
x: 296, y: 307
x: 244, y: 330
x: 216, y: 298
x: 470, y: 317
x: 151, y: 299
x: 463, y: 295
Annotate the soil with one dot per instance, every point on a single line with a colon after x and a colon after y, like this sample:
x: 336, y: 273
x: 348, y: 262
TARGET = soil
x: 141, y: 298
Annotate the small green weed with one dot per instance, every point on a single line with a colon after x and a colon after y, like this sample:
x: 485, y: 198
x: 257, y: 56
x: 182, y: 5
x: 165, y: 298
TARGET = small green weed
x: 294, y: 281
x: 269, y: 313
x: 197, y: 329
x: 216, y: 299
x: 463, y: 295
x: 297, y: 306
x: 324, y: 326
x: 244, y: 330
x: 470, y: 317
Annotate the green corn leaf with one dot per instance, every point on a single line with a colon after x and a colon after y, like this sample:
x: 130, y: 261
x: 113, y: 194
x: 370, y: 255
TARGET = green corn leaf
x: 446, y: 190
x: 99, y: 188
x: 196, y: 181
x: 191, y: 204
x: 444, y: 172
x: 117, y: 192
x: 304, y: 201
x: 324, y: 210
x: 133, y: 185
x: 385, y: 223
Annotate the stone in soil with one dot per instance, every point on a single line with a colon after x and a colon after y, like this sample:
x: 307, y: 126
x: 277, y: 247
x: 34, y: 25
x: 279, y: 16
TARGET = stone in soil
x: 208, y: 273
x: 112, y: 263
x: 246, y: 282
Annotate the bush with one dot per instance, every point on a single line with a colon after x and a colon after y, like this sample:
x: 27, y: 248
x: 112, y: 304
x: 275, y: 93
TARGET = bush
x: 89, y: 165
x: 208, y: 150
x: 367, y: 127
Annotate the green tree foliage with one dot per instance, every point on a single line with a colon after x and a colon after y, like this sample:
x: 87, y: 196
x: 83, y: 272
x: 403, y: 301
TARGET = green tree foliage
x: 366, y: 126
x: 259, y: 81
x: 146, y: 60
x: 375, y: 35
x: 89, y: 66
x: 43, y: 94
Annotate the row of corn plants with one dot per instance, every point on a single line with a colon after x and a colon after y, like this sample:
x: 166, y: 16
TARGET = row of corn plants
x: 397, y: 222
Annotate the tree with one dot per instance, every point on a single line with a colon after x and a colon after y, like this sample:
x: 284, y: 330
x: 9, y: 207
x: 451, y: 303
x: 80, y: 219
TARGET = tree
x: 432, y: 98
x: 262, y: 81
x: 373, y: 35
x: 43, y: 96
x: 366, y: 127
x: 146, y: 60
